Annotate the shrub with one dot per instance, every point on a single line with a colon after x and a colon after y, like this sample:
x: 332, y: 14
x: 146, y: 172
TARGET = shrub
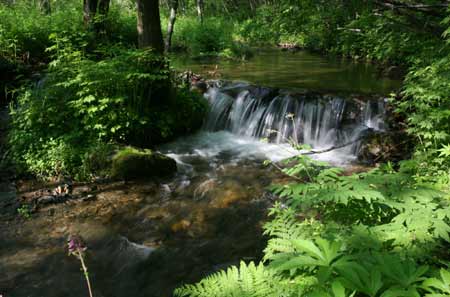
x: 82, y: 104
x: 25, y: 31
x: 208, y: 38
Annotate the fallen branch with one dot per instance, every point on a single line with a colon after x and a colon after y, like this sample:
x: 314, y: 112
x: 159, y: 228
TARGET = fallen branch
x: 313, y: 152
x: 335, y: 147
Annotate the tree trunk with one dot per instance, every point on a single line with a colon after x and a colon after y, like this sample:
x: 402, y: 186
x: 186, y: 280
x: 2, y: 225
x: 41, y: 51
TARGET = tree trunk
x: 89, y: 10
x: 149, y: 25
x: 102, y: 11
x: 45, y: 6
x: 200, y: 10
x: 172, y: 18
x: 94, y: 14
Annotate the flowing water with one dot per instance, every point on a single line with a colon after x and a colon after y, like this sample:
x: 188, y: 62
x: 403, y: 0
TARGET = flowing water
x: 247, y: 122
x: 147, y: 238
x: 278, y: 96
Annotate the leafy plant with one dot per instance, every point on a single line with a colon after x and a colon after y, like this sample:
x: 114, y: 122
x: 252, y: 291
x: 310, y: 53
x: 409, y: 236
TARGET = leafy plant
x: 247, y: 280
x: 438, y: 286
x: 83, y: 105
x: 24, y: 211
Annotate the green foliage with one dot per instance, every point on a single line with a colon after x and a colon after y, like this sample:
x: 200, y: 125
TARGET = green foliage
x: 25, y: 30
x: 97, y: 161
x: 82, y: 104
x: 438, y: 287
x: 213, y: 37
x: 430, y: 88
x: 247, y: 280
x: 24, y: 211
x: 385, y: 39
x: 426, y: 105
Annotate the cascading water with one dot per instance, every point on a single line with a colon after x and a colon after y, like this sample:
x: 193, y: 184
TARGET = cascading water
x: 241, y: 115
x: 321, y: 121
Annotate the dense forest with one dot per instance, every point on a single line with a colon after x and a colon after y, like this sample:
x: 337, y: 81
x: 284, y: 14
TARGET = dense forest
x: 90, y: 97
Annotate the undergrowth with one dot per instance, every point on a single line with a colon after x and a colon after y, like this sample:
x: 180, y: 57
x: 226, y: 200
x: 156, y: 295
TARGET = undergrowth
x: 83, y: 105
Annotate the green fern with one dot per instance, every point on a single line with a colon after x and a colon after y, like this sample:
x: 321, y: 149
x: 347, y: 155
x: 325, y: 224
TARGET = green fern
x: 399, y: 209
x: 246, y: 281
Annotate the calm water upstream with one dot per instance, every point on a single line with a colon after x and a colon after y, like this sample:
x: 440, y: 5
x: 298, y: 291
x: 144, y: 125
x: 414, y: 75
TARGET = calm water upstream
x: 282, y: 69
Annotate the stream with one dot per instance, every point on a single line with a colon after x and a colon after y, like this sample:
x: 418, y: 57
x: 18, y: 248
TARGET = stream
x: 147, y: 238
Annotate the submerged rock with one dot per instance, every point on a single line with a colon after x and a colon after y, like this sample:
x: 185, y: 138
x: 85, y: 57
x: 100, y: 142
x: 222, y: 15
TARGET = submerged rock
x: 393, y: 72
x: 131, y: 163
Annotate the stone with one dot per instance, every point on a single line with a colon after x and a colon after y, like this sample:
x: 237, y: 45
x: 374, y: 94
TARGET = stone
x: 89, y: 197
x: 394, y: 72
x: 81, y: 190
x: 181, y: 225
x: 228, y: 193
x: 131, y: 164
x: 47, y: 199
x: 381, y: 147
x: 204, y: 189
x: 51, y: 212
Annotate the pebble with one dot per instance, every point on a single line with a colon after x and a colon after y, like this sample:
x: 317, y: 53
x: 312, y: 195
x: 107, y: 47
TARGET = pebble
x: 89, y: 197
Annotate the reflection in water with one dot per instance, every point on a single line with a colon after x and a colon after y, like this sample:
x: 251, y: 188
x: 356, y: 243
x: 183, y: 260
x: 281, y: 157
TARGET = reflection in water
x: 274, y: 68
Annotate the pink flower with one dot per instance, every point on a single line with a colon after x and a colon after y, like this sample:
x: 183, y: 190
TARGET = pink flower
x: 75, y: 244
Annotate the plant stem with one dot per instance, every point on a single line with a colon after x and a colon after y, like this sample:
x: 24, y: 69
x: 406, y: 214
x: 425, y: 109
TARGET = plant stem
x: 85, y: 273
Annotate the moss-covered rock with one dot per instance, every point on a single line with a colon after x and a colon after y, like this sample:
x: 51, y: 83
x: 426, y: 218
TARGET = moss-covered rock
x: 130, y: 163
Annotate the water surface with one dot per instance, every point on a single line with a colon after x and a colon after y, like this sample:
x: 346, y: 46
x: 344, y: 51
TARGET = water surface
x: 282, y: 69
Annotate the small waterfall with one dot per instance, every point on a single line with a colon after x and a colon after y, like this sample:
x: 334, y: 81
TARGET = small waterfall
x: 321, y: 121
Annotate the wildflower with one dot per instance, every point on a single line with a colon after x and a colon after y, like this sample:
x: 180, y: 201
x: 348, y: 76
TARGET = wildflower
x: 77, y: 247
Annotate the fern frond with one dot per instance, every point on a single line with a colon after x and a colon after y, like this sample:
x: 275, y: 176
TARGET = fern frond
x: 246, y: 281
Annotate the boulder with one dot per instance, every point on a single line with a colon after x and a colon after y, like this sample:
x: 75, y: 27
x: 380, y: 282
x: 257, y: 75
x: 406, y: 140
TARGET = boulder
x: 394, y: 72
x: 131, y: 163
x: 381, y: 147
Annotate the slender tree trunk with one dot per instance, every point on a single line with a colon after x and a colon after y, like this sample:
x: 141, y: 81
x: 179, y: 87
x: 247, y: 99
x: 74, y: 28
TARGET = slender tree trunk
x: 45, y: 6
x: 200, y: 10
x: 172, y: 18
x: 94, y: 14
x: 149, y: 25
x: 89, y: 11
x: 102, y: 12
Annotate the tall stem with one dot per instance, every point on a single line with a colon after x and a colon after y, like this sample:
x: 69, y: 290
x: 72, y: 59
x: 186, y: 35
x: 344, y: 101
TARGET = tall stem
x: 86, y: 275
